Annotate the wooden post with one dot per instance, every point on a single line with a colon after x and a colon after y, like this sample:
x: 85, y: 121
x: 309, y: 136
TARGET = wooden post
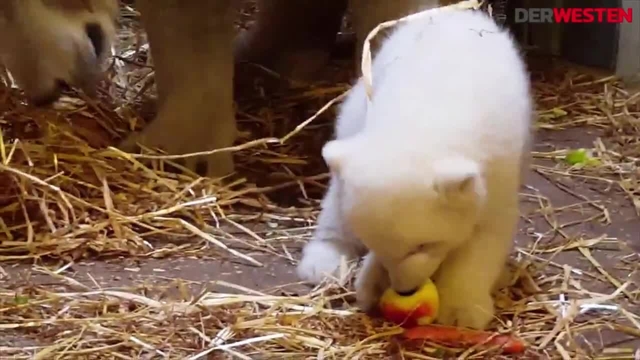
x: 628, y: 56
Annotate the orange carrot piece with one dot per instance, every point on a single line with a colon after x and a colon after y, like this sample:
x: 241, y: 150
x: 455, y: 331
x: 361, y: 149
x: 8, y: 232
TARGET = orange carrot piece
x: 453, y: 336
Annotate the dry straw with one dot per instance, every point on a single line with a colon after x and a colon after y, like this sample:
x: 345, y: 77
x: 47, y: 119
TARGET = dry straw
x: 63, y: 196
x: 366, y: 49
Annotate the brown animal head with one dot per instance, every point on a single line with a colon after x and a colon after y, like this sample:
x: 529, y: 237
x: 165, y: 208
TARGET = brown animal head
x: 47, y: 44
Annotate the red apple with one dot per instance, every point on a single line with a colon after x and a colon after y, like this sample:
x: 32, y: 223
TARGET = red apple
x: 421, y: 308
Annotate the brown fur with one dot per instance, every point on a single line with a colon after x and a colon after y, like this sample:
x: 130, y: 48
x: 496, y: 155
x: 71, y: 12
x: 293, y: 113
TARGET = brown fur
x: 44, y: 43
x: 80, y: 5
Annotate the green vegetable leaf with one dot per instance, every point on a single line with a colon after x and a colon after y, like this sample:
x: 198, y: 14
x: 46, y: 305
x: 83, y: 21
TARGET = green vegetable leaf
x: 580, y: 157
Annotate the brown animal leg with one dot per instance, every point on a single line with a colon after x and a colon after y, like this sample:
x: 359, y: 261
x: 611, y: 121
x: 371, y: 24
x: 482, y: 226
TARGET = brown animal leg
x: 191, y: 47
x: 292, y: 37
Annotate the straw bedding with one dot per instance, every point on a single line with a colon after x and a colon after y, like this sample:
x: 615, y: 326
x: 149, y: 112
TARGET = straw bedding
x: 66, y: 196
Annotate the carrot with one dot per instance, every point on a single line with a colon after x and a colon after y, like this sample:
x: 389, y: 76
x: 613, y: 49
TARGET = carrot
x: 453, y: 336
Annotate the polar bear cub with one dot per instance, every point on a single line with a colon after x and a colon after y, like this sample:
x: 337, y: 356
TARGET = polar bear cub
x: 426, y: 175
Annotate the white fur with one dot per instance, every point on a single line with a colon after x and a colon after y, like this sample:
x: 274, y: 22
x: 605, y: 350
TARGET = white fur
x: 427, y: 175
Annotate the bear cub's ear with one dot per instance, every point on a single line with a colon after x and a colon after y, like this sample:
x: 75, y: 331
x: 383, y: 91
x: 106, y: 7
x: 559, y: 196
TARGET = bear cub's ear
x: 459, y: 179
x: 336, y: 152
